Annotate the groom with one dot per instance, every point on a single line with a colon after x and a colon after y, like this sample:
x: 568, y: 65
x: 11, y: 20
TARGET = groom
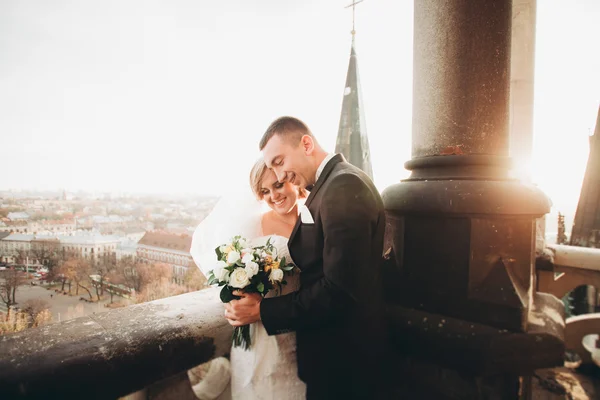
x: 338, y: 313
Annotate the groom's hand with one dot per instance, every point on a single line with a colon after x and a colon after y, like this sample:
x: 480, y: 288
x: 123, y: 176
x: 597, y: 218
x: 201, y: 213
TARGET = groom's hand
x: 245, y: 310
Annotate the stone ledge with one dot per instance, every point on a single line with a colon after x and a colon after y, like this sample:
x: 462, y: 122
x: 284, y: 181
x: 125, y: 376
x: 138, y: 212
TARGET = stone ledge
x: 114, y: 353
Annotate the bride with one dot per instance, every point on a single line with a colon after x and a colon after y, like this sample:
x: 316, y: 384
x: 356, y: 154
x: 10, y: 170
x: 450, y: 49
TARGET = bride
x: 268, y: 370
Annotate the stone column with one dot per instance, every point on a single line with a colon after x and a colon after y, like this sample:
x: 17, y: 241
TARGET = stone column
x: 521, y: 86
x: 460, y: 231
x: 461, y: 77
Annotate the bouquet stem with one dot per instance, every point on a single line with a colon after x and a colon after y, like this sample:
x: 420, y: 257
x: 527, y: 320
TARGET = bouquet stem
x: 241, y: 337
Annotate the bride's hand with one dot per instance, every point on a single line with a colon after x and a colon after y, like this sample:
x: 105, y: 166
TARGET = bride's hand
x: 244, y: 311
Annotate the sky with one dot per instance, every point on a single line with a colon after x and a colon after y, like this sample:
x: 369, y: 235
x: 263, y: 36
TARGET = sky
x: 173, y: 96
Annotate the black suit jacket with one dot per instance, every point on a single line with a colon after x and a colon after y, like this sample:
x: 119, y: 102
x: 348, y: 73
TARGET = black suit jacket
x: 338, y: 313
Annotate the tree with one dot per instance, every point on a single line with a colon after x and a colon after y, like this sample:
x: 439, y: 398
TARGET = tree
x: 67, y: 272
x: 103, y: 269
x: 47, y: 252
x: 82, y: 276
x: 38, y: 312
x: 158, y: 283
x: 127, y: 270
x: 194, y: 279
x: 15, y: 322
x: 10, y: 280
x: 6, y: 295
x: 561, y: 237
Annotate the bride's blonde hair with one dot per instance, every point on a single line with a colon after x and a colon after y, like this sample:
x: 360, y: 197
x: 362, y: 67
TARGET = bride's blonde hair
x: 257, y: 174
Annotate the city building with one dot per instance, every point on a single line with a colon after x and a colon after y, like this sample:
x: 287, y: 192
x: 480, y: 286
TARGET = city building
x: 167, y: 248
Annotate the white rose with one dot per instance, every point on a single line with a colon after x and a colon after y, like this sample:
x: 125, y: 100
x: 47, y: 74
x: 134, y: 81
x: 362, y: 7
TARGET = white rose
x: 224, y: 276
x: 233, y: 257
x: 251, y: 269
x: 218, y: 268
x: 220, y: 272
x: 239, y: 278
x: 276, y: 275
x: 248, y: 257
x: 242, y: 242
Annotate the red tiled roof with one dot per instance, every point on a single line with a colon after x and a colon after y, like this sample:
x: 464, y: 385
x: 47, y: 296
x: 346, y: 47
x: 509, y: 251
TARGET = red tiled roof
x: 167, y: 240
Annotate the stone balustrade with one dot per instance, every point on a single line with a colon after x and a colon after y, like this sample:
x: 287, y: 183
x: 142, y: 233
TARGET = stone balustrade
x: 562, y: 269
x: 111, y: 354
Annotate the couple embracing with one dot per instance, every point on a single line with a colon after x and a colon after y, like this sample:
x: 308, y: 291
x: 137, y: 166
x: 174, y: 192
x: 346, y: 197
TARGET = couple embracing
x: 324, y: 336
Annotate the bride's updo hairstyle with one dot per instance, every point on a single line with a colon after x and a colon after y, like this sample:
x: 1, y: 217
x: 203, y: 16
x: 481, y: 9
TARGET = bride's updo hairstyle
x: 257, y: 174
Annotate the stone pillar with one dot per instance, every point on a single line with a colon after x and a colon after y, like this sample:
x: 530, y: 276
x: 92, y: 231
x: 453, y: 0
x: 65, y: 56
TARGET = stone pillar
x: 460, y: 231
x: 461, y: 77
x: 521, y: 86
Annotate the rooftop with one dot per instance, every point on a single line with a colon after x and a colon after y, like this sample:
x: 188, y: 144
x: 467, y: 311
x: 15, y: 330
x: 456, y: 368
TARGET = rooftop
x: 167, y: 240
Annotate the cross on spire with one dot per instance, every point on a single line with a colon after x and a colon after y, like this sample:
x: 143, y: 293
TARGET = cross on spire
x: 353, y: 5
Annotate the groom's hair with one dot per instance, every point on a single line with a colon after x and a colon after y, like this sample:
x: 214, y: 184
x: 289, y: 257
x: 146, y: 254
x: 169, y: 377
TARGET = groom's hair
x: 289, y: 128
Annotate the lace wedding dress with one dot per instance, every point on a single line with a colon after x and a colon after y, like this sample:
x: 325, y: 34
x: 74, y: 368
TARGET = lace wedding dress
x: 268, y: 370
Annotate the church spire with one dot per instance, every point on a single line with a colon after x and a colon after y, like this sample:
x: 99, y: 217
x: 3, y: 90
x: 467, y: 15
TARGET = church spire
x: 586, y: 227
x: 352, y: 139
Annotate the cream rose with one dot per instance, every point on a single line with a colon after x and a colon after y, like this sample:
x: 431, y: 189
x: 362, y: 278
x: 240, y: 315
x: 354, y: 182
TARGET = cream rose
x: 218, y: 269
x: 276, y: 275
x: 224, y: 276
x: 251, y: 269
x: 233, y: 257
x: 239, y: 278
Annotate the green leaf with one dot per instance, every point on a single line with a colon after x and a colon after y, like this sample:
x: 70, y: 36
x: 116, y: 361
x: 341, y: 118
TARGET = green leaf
x: 227, y: 294
x: 219, y: 254
x: 260, y: 287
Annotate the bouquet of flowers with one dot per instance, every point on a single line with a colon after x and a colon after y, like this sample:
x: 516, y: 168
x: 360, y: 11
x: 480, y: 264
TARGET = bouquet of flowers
x: 251, y: 269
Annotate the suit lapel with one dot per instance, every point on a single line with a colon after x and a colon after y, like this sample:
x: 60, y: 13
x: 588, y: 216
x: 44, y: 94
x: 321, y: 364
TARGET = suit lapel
x: 322, y: 178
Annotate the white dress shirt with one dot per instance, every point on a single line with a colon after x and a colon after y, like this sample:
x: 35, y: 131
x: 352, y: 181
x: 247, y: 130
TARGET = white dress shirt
x: 323, y: 164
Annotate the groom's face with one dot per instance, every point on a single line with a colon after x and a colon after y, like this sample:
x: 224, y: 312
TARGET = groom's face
x: 290, y: 160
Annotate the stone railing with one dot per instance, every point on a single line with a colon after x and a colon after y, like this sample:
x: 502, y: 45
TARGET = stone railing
x: 559, y: 271
x: 122, y: 351
x: 114, y: 353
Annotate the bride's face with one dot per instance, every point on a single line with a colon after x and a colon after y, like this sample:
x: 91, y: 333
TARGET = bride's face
x: 281, y: 197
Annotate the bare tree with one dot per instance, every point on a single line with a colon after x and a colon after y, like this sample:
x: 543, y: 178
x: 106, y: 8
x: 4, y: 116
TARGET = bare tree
x: 10, y: 280
x: 6, y: 295
x: 131, y: 272
x: 194, y: 279
x: 47, y: 252
x: 37, y: 311
x: 158, y: 284
x: 103, y: 268
x: 82, y: 276
x: 68, y: 271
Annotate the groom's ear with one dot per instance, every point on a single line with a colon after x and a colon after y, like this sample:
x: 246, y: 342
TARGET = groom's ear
x: 308, y: 144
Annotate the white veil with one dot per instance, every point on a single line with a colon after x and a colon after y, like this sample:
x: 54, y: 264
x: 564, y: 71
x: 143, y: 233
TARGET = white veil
x: 236, y: 213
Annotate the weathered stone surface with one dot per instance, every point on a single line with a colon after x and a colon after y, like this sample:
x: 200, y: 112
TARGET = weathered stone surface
x: 478, y: 349
x: 114, y: 353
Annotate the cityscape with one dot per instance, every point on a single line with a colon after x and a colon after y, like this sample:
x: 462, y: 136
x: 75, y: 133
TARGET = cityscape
x: 64, y: 255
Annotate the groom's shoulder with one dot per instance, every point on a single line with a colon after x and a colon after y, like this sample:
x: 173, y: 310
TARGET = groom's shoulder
x: 347, y: 176
x: 348, y: 172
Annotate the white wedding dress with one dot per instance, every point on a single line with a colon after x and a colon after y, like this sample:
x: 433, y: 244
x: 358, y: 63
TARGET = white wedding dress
x: 268, y: 370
